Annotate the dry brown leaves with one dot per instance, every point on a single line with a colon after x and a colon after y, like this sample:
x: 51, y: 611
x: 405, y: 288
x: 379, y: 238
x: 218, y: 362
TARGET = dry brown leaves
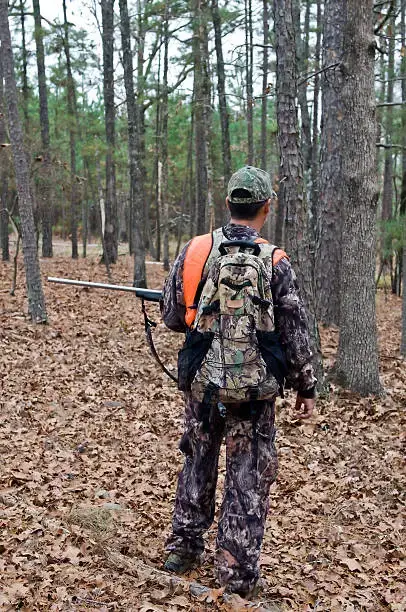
x: 89, y: 430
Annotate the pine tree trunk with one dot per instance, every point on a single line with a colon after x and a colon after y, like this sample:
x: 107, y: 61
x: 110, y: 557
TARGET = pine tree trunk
x: 403, y: 190
x: 221, y: 90
x: 164, y: 141
x: 249, y: 61
x: 24, y: 62
x: 315, y: 149
x: 141, y: 33
x: 201, y: 111
x: 45, y: 188
x: 140, y: 278
x: 387, y: 196
x: 4, y: 170
x: 111, y: 227
x: 156, y: 249
x: 357, y: 357
x: 403, y: 340
x: 72, y: 115
x: 302, y: 55
x: 264, y: 101
x: 331, y: 197
x: 291, y: 190
x: 36, y: 300
x: 403, y: 74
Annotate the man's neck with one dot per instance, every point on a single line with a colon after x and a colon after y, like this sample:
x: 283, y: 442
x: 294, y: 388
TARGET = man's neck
x: 256, y: 224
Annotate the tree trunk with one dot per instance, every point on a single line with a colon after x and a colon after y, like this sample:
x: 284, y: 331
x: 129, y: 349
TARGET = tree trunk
x: 164, y: 142
x: 111, y: 227
x: 302, y: 55
x: 403, y: 190
x: 315, y: 149
x: 387, y: 196
x: 136, y: 206
x: 331, y: 198
x: 291, y: 191
x: 221, y: 90
x: 24, y: 61
x: 249, y: 61
x: 141, y: 33
x: 357, y: 357
x: 403, y: 340
x: 71, y: 97
x: 45, y: 189
x: 156, y: 249
x: 403, y: 74
x: 201, y: 111
x: 4, y: 170
x: 264, y: 101
x: 36, y: 300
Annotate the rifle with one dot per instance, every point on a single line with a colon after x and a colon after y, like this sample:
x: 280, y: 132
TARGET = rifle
x: 149, y: 295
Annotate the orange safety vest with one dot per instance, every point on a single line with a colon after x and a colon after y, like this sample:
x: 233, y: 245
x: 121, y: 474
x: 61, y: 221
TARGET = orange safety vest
x: 196, y: 257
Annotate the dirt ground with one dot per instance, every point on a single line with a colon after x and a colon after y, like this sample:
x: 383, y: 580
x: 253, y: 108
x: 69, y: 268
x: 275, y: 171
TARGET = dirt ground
x: 89, y: 428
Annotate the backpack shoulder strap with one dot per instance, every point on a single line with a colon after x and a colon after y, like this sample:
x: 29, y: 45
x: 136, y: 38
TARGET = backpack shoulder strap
x: 271, y: 249
x: 197, y: 254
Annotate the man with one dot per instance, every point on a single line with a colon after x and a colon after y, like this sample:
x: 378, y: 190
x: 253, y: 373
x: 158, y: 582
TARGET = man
x: 251, y: 456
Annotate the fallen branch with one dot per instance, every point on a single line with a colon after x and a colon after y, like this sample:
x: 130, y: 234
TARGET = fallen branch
x: 135, y: 567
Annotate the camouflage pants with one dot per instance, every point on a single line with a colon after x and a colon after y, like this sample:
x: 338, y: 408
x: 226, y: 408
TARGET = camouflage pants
x: 251, y: 469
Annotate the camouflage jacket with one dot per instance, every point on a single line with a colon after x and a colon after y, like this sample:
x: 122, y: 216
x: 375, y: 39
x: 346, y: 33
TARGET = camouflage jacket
x: 290, y: 316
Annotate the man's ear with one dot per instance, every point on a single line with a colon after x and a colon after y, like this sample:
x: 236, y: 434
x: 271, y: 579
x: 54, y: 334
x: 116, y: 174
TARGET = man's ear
x: 267, y: 206
x: 227, y: 205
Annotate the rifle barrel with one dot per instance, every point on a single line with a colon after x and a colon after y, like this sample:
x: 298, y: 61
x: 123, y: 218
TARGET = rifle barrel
x: 148, y: 294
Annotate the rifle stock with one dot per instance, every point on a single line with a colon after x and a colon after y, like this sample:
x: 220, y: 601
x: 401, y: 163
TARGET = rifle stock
x: 151, y: 295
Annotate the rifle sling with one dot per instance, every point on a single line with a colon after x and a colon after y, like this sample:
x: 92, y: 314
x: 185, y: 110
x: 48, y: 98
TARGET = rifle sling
x: 149, y: 325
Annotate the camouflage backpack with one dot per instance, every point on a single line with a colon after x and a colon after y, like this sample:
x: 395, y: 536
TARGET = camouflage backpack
x: 232, y: 353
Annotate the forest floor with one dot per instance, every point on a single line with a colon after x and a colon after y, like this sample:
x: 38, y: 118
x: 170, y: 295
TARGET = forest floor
x: 89, y: 431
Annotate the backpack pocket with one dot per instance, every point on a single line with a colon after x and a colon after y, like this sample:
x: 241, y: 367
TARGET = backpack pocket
x: 273, y: 354
x: 191, y: 355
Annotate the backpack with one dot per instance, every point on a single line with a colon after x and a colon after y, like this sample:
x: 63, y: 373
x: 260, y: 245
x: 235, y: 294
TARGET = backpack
x: 232, y: 352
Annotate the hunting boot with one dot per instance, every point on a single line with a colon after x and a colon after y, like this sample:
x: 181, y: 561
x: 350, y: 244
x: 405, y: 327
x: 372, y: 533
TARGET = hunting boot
x: 180, y: 564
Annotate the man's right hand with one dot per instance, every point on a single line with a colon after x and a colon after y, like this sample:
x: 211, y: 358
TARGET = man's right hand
x: 305, y: 405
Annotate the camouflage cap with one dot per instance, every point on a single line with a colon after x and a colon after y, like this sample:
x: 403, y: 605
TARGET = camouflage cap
x: 256, y: 181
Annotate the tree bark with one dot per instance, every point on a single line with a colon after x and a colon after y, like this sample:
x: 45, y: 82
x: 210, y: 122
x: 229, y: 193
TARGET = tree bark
x: 136, y: 206
x: 387, y: 195
x: 291, y: 191
x: 4, y: 170
x: 331, y: 197
x: 403, y: 189
x: 249, y: 61
x: 46, y: 167
x: 302, y: 55
x: 265, y: 69
x: 111, y: 227
x: 403, y: 339
x: 36, y: 300
x: 24, y: 61
x: 164, y: 141
x: 315, y: 149
x: 221, y: 90
x: 201, y: 111
x: 403, y: 74
x: 141, y: 33
x: 72, y: 114
x: 357, y: 357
